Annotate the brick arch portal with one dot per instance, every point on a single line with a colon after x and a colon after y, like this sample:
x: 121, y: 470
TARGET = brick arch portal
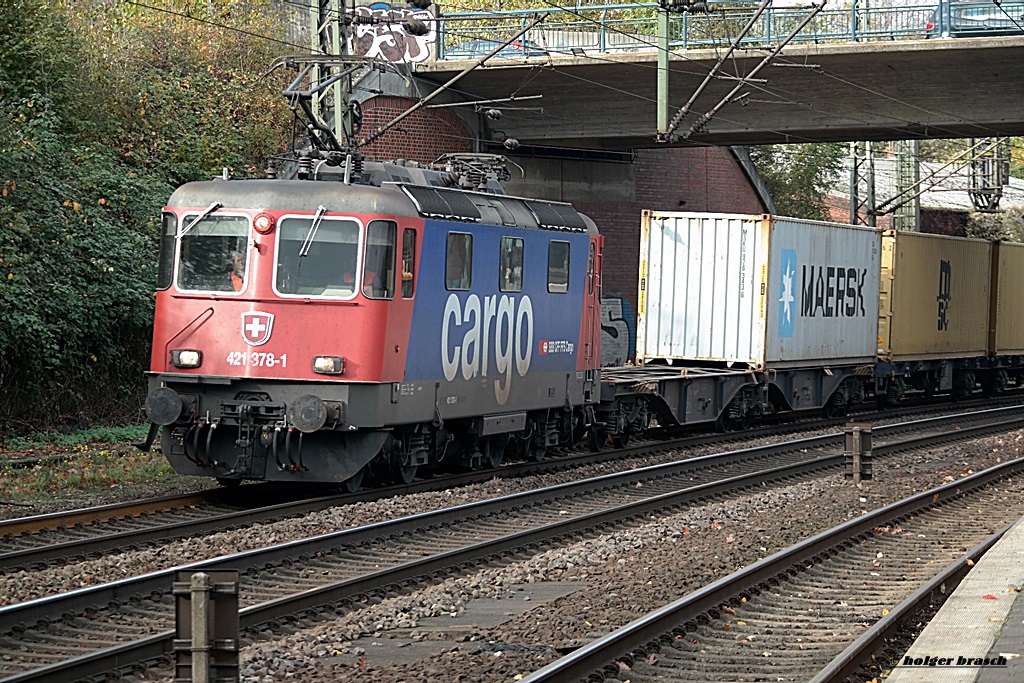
x: 423, y: 136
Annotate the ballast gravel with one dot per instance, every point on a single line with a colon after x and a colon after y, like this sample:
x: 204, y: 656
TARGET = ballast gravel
x: 19, y: 585
x: 620, y: 575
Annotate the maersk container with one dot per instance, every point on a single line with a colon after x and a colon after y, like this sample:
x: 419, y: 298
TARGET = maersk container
x: 1006, y: 323
x: 756, y: 291
x: 934, y: 297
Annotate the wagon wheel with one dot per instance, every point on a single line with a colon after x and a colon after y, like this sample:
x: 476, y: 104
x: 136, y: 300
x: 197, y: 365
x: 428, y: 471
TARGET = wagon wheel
x: 723, y: 423
x: 834, y: 407
x: 352, y: 484
x: 597, y: 439
x: 621, y: 440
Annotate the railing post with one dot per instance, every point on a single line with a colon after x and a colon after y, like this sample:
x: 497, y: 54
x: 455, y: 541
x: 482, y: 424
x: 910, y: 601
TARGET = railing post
x: 853, y: 21
x: 604, y: 31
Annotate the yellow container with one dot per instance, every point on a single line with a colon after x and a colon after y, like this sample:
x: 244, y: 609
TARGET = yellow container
x: 1007, y: 324
x: 934, y: 297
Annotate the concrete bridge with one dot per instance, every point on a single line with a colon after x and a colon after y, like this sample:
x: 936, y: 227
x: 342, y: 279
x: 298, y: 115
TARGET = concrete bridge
x: 945, y: 88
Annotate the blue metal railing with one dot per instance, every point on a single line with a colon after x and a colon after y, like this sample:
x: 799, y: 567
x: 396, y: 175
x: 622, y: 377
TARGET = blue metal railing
x: 617, y: 28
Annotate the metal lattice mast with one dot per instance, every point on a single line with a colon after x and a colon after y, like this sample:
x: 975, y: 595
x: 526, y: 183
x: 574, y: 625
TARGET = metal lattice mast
x: 907, y: 216
x: 330, y: 23
x: 862, y: 184
x: 989, y: 168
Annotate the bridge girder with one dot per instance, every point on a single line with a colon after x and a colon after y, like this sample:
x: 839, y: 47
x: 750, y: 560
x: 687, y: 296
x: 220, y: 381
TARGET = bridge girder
x: 860, y: 91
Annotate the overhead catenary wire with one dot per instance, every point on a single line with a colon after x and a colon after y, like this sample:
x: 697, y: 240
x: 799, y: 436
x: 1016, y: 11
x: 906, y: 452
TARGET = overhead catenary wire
x: 703, y: 121
x: 685, y: 109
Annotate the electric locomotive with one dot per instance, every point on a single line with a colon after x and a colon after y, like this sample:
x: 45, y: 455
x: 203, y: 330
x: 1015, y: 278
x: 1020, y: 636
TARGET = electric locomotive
x: 314, y: 330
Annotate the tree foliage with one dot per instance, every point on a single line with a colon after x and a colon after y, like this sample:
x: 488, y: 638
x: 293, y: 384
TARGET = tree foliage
x: 104, y: 108
x: 800, y: 176
x: 1004, y: 225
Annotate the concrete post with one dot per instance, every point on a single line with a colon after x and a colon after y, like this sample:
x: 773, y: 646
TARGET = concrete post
x: 200, y: 628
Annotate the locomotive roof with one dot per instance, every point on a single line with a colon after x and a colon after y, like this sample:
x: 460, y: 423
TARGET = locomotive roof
x: 399, y: 199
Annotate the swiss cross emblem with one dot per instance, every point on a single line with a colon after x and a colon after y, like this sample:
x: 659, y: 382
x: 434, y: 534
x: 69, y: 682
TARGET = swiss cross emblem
x: 256, y: 327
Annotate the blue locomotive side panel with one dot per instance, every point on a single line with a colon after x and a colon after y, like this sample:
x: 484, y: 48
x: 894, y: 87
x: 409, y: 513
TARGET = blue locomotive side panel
x: 467, y: 330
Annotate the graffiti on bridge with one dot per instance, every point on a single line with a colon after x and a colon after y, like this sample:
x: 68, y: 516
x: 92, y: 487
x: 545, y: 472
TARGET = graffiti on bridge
x: 386, y: 39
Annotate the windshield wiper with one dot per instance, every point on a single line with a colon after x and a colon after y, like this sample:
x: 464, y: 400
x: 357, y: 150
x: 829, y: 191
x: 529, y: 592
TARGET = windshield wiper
x: 210, y: 209
x: 308, y: 242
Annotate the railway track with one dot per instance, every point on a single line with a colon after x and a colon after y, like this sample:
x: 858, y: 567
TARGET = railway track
x: 92, y: 631
x: 816, y: 610
x: 63, y: 536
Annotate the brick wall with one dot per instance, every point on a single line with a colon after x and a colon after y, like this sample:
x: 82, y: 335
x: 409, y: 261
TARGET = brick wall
x: 682, y: 179
x: 839, y: 212
x: 423, y: 136
x: 944, y: 222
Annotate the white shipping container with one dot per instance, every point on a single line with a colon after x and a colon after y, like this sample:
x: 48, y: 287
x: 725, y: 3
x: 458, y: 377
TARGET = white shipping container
x: 756, y: 291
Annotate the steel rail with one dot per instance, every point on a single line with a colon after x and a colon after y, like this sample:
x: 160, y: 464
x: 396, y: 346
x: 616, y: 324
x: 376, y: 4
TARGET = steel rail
x: 105, y: 660
x: 645, y: 634
x: 110, y: 511
x: 83, y: 599
x: 158, y: 645
x: 850, y: 660
x: 226, y: 520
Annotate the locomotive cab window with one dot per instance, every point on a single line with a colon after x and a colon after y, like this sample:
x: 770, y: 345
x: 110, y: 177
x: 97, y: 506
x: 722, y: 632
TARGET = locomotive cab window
x: 459, y: 261
x: 558, y: 266
x: 408, y: 263
x: 213, y: 254
x: 510, y: 272
x: 379, y: 260
x: 316, y: 257
x: 165, y: 269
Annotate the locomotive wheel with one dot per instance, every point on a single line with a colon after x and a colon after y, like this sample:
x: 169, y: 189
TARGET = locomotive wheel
x: 403, y: 474
x: 578, y: 430
x: 533, y: 453
x: 352, y: 484
x: 494, y: 452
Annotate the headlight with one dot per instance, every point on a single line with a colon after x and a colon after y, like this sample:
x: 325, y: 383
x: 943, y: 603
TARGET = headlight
x: 264, y: 223
x: 186, y: 358
x: 328, y: 365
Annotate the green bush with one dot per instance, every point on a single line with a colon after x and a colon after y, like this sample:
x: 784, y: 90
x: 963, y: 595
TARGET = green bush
x: 104, y: 109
